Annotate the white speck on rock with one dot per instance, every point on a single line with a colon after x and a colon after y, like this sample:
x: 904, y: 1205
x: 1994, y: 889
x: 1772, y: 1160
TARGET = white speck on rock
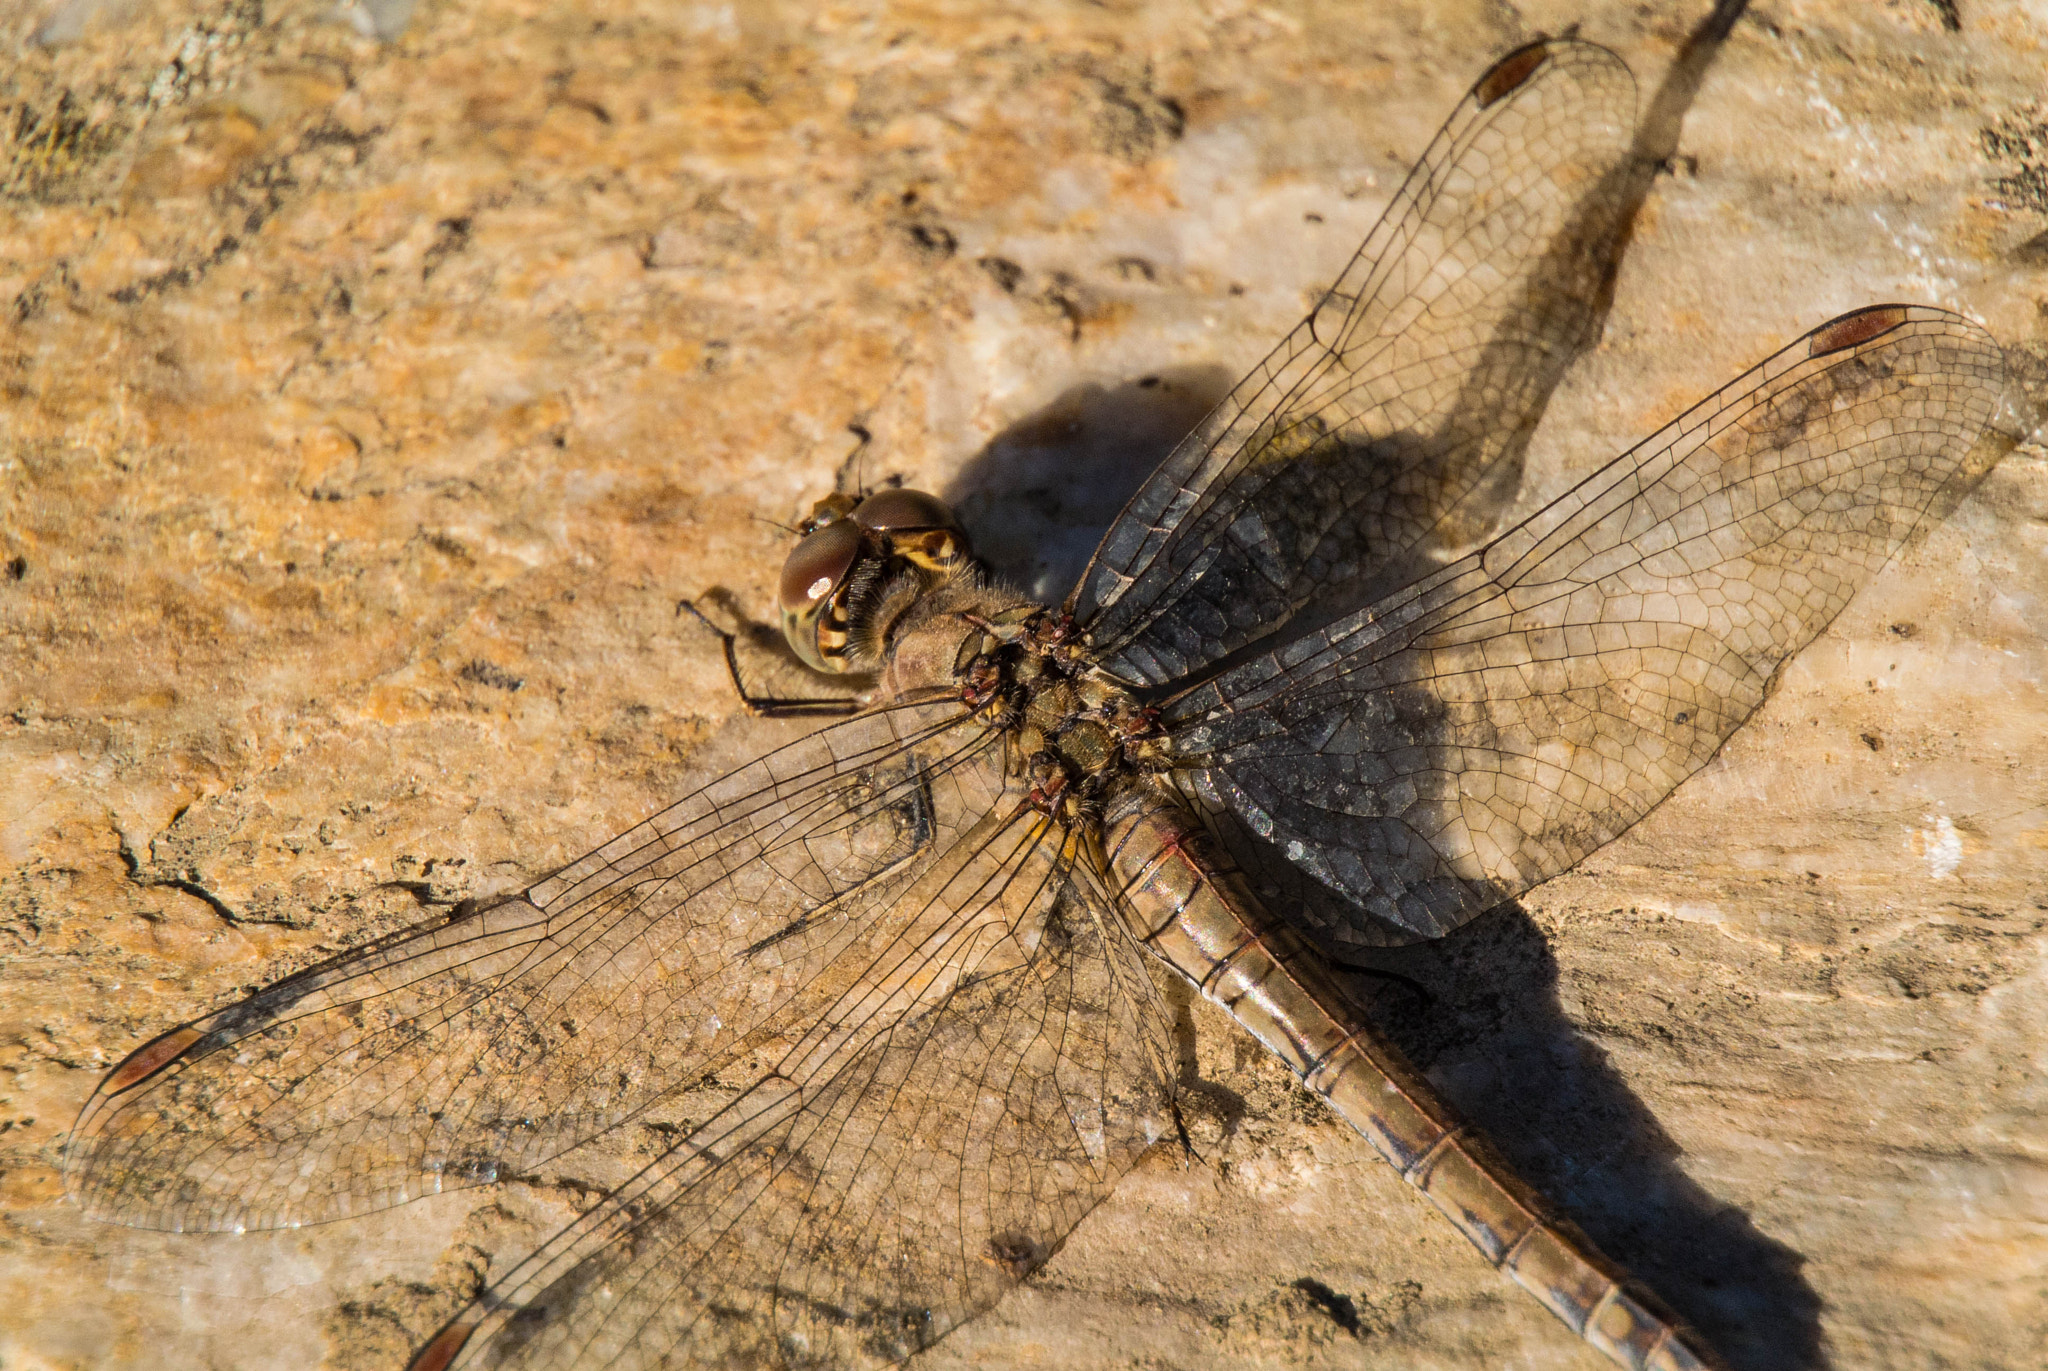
x: 1944, y: 848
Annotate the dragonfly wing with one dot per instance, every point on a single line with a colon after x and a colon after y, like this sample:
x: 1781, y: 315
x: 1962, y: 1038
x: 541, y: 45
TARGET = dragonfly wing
x: 1484, y: 729
x: 437, y: 1057
x: 1391, y: 424
x: 894, y: 1174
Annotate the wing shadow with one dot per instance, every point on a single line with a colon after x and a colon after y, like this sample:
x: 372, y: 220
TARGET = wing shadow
x: 1497, y: 1041
x: 1039, y: 497
x: 1569, y: 299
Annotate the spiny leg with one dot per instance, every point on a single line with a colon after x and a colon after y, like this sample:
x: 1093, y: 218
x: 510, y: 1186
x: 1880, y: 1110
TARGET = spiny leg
x: 812, y: 695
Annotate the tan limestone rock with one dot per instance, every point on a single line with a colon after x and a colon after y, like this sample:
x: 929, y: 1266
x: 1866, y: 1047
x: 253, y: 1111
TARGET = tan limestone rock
x: 367, y: 408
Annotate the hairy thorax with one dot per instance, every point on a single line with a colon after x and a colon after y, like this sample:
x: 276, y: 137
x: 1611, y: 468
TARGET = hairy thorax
x: 1073, y: 732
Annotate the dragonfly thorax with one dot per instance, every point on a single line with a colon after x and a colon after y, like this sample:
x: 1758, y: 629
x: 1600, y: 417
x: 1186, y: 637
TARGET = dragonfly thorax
x: 859, y: 567
x: 1073, y: 730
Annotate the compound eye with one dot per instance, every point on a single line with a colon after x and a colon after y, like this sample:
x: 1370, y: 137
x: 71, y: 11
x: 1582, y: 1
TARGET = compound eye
x: 891, y: 510
x: 812, y: 580
x: 817, y: 566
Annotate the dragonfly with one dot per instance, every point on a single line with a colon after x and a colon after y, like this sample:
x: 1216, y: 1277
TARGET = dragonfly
x: 890, y: 1000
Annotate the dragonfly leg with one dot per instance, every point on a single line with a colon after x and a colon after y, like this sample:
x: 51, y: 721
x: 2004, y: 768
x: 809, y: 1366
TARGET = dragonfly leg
x: 793, y: 689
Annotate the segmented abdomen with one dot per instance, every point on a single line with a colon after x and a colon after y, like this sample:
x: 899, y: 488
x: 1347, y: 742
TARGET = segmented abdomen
x: 1194, y: 909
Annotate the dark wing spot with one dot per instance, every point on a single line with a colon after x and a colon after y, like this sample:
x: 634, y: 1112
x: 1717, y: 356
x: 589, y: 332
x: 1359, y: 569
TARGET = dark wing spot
x: 152, y: 1057
x: 446, y: 1346
x: 1851, y: 329
x: 1510, y: 72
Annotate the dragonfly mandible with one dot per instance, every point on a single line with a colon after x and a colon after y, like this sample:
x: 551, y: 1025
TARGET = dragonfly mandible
x: 896, y: 987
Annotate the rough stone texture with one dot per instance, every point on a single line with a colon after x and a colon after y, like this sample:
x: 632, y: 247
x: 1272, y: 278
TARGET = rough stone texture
x: 370, y: 406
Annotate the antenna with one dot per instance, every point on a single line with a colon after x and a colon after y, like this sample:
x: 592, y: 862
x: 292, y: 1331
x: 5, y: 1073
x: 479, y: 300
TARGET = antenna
x: 860, y: 457
x: 856, y: 461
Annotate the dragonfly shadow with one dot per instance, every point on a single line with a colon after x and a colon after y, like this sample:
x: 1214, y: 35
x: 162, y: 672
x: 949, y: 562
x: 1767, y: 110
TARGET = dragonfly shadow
x: 1040, y: 495
x: 1496, y: 1040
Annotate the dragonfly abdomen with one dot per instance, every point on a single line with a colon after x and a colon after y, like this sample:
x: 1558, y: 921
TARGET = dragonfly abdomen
x: 1193, y: 908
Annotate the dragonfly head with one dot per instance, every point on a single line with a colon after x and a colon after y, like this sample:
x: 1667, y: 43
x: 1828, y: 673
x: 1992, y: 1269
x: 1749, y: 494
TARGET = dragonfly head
x: 859, y: 564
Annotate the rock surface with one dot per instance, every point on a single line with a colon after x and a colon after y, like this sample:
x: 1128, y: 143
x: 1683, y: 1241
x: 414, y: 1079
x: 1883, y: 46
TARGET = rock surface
x: 378, y: 379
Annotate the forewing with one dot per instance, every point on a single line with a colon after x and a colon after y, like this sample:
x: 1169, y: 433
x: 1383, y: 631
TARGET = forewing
x: 1390, y: 425
x: 1486, y: 728
x: 892, y: 1174
x: 437, y: 1057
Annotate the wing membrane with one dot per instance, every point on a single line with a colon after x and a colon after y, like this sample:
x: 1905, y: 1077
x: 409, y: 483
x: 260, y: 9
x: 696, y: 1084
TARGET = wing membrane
x: 890, y: 1176
x: 438, y: 1057
x: 1483, y: 730
x: 1376, y: 432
